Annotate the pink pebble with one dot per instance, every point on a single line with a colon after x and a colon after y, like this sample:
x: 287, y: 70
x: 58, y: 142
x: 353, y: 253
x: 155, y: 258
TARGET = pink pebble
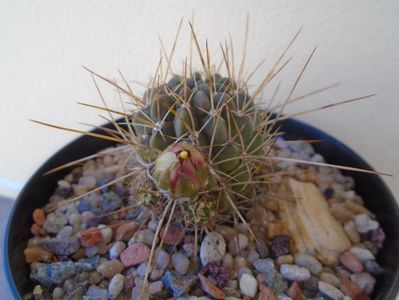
x: 351, y: 262
x: 135, y: 254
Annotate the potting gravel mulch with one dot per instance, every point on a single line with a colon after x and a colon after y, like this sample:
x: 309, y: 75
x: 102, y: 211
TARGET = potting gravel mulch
x: 99, y: 247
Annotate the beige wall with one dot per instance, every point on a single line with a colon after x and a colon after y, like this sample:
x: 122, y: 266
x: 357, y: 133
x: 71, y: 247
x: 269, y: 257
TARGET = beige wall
x: 44, y: 43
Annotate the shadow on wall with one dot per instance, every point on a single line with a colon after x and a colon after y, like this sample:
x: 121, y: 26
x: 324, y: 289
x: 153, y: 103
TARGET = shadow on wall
x: 5, y: 209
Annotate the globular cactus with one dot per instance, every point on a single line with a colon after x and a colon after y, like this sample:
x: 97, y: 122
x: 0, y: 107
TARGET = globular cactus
x: 208, y: 116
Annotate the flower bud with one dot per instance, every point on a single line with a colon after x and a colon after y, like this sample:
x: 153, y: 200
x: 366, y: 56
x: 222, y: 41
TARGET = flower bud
x: 181, y: 170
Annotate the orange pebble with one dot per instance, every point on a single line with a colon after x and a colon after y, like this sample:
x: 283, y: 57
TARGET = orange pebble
x: 39, y: 216
x: 90, y: 237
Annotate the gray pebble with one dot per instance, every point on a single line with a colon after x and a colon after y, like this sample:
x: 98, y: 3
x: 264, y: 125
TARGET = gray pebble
x: 362, y: 254
x: 155, y: 287
x: 189, y: 249
x: 58, y: 293
x: 265, y: 266
x: 252, y: 256
x: 294, y: 273
x: 213, y: 248
x: 373, y: 267
x: 180, y: 263
x: 309, y: 262
x: 283, y: 297
x: 243, y: 271
x: 145, y: 236
x: 142, y: 269
x: 365, y: 281
x: 97, y: 293
x: 330, y: 291
x: 152, y: 225
x: 162, y: 258
x: 54, y: 223
x: 238, y: 244
x: 115, y: 286
x: 61, y: 246
x: 137, y: 294
x: 92, y: 251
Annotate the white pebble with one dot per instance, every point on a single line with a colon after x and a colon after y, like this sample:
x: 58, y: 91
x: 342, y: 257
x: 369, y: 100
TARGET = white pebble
x: 365, y: 281
x: 162, y: 258
x: 294, y: 273
x: 213, y: 248
x: 364, y: 224
x: 309, y: 262
x: 362, y: 254
x: 106, y: 233
x: 116, y: 249
x: 248, y: 285
x: 330, y: 291
x: 115, y: 286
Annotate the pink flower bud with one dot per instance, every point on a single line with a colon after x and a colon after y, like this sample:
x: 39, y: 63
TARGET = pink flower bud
x: 181, y: 170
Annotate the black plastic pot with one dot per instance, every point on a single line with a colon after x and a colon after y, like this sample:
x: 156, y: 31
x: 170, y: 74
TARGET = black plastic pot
x: 39, y: 188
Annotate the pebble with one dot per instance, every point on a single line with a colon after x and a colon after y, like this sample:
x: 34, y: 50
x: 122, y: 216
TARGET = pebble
x: 351, y: 231
x: 142, y: 269
x: 91, y: 251
x: 340, y: 212
x: 274, y: 229
x: 351, y: 262
x: 351, y: 289
x: 109, y: 268
x: 155, y: 287
x: 97, y: 293
x: 378, y: 237
x: 65, y: 232
x: 309, y: 262
x: 280, y: 245
x: 294, y: 273
x: 265, y: 266
x: 276, y: 281
x: 312, y: 283
x: 153, y: 225
x: 238, y: 244
x: 329, y: 278
x: 89, y: 182
x: 54, y: 223
x: 85, y: 217
x: 145, y: 236
x: 355, y: 207
x: 95, y: 277
x: 248, y: 285
x: 106, y: 233
x: 213, y: 248
x: 209, y: 288
x: 58, y: 293
x: 115, y: 286
x: 162, y: 258
x: 36, y: 254
x: 90, y: 237
x: 61, y: 246
x: 110, y: 202
x: 135, y: 254
x: 285, y: 259
x: 137, y: 294
x: 373, y: 267
x: 39, y: 216
x: 177, y: 283
x: 330, y: 291
x: 173, y: 236
x: 243, y: 271
x: 125, y: 231
x: 227, y: 232
x: 116, y: 249
x: 228, y: 261
x: 156, y: 273
x: 57, y: 273
x: 266, y: 293
x: 364, y: 281
x: 252, y: 256
x: 362, y: 254
x: 189, y: 249
x: 294, y: 292
x: 180, y: 263
x: 364, y: 224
